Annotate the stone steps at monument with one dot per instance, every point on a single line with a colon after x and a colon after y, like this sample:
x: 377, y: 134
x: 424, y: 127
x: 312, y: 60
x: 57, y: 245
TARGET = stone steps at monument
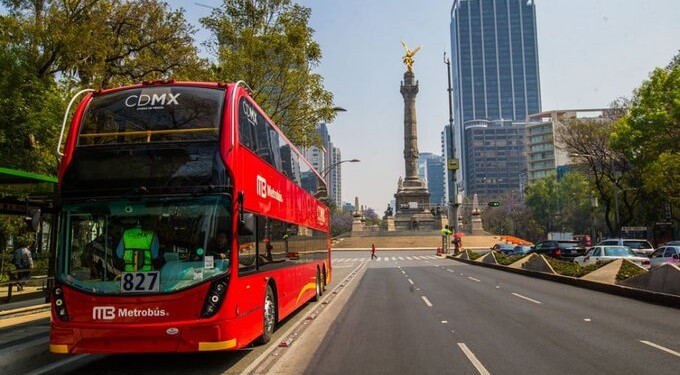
x: 406, y: 241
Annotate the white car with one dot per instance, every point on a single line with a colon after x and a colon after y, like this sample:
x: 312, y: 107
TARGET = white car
x: 640, y: 247
x: 606, y: 253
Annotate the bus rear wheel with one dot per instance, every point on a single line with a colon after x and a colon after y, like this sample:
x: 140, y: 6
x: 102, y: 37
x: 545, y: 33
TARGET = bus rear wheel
x: 268, y: 317
x: 318, y: 287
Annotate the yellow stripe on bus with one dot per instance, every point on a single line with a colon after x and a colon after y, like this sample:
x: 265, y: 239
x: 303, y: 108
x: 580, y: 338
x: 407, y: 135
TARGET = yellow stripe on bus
x: 304, y: 289
x: 217, y: 345
x: 59, y: 349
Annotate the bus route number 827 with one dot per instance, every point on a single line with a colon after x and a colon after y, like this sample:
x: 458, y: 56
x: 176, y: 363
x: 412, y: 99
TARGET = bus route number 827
x: 139, y: 282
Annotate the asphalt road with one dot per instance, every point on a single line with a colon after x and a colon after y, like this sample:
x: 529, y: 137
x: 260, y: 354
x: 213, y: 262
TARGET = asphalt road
x: 410, y: 312
x: 424, y: 316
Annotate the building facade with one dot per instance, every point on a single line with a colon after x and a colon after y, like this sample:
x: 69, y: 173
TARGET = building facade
x: 545, y: 154
x: 496, y: 84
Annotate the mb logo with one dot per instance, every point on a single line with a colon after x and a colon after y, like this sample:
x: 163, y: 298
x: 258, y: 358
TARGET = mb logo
x: 103, y: 313
x: 261, y: 186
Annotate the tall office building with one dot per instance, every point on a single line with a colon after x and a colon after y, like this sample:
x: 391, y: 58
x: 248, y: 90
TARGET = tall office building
x: 430, y: 168
x: 496, y: 84
x: 324, y: 159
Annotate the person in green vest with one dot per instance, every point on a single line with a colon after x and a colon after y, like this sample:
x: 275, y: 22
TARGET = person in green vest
x: 138, y: 248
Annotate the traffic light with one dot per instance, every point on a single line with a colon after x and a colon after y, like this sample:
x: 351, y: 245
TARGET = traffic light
x: 494, y: 204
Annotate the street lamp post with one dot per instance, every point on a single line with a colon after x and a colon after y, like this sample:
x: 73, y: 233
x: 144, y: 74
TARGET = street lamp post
x: 616, y: 205
x: 330, y: 167
x: 453, y: 190
x: 323, y: 191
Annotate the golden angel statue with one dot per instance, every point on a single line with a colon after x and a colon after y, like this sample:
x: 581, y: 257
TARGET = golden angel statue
x: 408, y: 58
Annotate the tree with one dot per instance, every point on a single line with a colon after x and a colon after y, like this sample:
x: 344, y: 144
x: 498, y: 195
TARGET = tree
x: 587, y: 141
x: 268, y: 44
x: 30, y: 113
x: 649, y: 136
x: 341, y: 222
x: 101, y: 43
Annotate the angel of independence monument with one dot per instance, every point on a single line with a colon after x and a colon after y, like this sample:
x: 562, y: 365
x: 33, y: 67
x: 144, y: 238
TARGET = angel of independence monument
x: 412, y: 197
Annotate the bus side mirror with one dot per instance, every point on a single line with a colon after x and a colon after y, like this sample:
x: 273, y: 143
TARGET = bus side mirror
x: 246, y: 221
x: 246, y: 225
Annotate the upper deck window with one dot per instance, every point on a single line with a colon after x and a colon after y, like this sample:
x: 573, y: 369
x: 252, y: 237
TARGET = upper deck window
x: 153, y: 114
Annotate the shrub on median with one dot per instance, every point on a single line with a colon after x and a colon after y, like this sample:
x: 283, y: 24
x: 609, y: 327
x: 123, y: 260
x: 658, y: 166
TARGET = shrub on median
x: 629, y: 269
x: 472, y: 255
x: 572, y: 269
x: 508, y: 259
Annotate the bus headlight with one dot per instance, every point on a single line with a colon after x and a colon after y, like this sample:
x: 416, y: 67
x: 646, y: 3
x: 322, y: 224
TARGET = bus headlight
x: 215, y: 297
x: 59, y: 303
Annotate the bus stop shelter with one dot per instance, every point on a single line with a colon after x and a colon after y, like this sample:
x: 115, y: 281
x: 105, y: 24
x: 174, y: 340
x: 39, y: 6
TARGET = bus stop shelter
x: 30, y: 196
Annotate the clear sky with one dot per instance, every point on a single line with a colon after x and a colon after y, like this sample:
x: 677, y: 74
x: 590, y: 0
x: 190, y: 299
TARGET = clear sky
x: 590, y: 53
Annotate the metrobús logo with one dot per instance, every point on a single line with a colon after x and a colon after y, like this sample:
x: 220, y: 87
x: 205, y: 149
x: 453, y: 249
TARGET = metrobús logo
x: 153, y: 101
x: 111, y: 313
x: 264, y: 190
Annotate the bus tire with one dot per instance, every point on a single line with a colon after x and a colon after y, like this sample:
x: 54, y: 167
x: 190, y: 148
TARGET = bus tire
x: 318, y: 287
x: 323, y: 280
x: 268, y: 316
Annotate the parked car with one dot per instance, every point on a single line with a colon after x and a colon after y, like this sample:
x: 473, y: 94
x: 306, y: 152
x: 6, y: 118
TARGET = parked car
x: 504, y: 248
x: 672, y: 243
x: 666, y: 254
x: 640, y: 247
x: 521, y: 249
x: 605, y: 253
x: 560, y: 249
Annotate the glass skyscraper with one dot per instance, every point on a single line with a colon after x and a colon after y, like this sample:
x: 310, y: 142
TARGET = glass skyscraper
x: 496, y: 84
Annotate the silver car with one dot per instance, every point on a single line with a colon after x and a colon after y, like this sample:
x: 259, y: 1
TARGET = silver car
x: 666, y: 254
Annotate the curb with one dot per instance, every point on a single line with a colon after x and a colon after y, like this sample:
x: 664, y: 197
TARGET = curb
x: 623, y: 291
x: 25, y: 310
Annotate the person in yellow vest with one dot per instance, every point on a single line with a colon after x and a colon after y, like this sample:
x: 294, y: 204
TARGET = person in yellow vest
x: 138, y: 248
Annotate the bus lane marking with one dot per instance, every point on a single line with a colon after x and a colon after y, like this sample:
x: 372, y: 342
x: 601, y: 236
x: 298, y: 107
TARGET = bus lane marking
x: 410, y: 281
x: 473, y: 279
x: 475, y: 362
x: 427, y: 301
x: 663, y: 348
x: 526, y: 298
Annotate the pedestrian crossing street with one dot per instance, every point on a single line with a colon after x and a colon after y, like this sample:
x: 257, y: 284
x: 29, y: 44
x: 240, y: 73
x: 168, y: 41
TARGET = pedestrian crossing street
x: 385, y: 259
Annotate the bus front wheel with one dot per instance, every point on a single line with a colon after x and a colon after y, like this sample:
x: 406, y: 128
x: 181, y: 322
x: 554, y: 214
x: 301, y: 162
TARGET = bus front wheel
x: 269, y: 316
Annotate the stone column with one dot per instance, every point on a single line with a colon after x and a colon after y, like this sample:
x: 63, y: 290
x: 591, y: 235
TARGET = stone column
x: 409, y: 90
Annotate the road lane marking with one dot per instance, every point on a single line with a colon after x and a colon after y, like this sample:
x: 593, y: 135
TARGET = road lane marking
x: 665, y: 349
x: 427, y: 301
x: 411, y: 281
x: 587, y: 319
x: 526, y: 298
x: 450, y: 270
x: 409, y: 258
x: 475, y: 362
x: 401, y: 258
x: 472, y: 278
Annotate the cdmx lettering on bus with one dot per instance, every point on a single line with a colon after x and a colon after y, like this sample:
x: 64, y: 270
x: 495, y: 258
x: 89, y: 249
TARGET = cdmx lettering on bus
x: 145, y: 100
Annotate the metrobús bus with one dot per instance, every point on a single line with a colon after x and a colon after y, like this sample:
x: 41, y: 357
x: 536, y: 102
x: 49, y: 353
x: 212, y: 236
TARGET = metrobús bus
x: 151, y: 175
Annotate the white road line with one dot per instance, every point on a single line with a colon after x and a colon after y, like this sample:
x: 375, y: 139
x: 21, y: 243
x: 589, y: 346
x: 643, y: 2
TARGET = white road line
x: 378, y: 259
x: 473, y: 279
x: 427, y: 301
x: 475, y: 362
x: 526, y: 298
x: 409, y: 258
x: 410, y: 281
x: 394, y: 258
x: 401, y: 258
x: 665, y: 349
x: 450, y: 270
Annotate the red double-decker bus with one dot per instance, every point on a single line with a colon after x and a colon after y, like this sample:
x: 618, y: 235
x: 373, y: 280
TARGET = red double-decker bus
x: 187, y: 222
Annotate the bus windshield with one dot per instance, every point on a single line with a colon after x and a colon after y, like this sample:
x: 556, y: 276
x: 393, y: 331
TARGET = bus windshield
x: 152, y: 115
x: 174, y: 240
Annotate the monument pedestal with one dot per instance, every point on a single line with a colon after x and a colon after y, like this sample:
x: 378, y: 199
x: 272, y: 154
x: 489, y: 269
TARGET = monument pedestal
x: 477, y: 228
x: 389, y: 224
